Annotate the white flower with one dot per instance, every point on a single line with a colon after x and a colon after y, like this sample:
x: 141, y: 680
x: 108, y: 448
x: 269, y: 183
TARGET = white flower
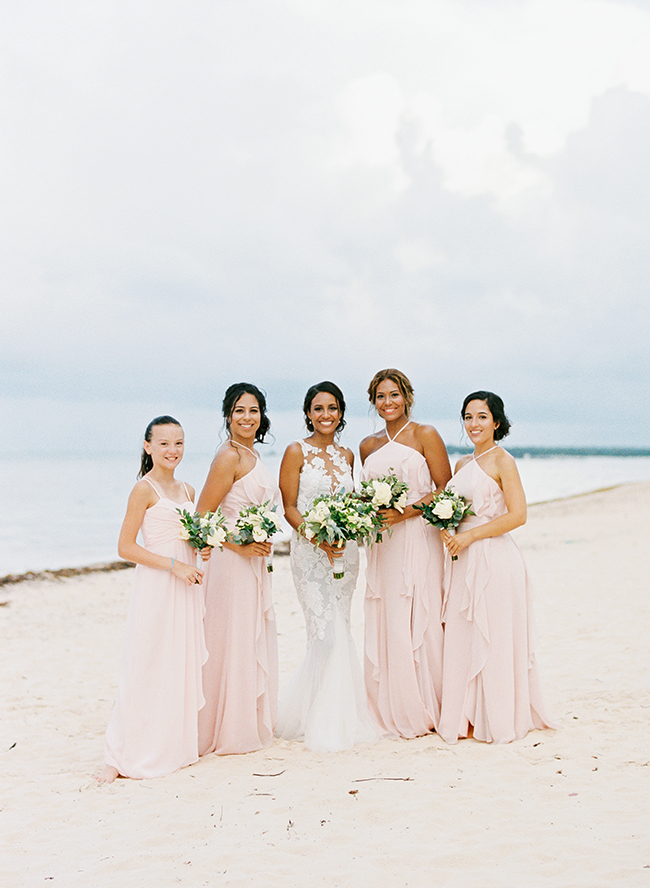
x: 309, y: 533
x: 254, y: 519
x: 204, y: 522
x: 401, y: 502
x: 321, y: 512
x: 444, y: 509
x: 271, y: 517
x: 383, y: 493
x: 216, y: 536
x: 259, y: 534
x: 184, y: 534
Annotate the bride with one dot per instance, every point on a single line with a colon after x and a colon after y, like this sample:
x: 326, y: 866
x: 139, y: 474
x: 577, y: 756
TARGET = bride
x: 325, y: 703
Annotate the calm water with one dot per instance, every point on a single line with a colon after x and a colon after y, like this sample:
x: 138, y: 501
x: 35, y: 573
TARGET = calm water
x: 66, y: 511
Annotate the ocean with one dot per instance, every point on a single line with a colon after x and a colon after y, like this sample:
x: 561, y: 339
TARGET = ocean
x: 65, y: 510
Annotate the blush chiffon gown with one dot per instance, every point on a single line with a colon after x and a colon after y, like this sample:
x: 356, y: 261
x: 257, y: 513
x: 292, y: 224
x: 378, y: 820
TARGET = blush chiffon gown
x: 403, y: 632
x: 153, y: 729
x: 490, y: 675
x: 240, y: 678
x: 325, y: 702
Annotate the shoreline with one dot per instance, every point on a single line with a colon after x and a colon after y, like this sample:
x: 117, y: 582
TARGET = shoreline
x: 280, y: 549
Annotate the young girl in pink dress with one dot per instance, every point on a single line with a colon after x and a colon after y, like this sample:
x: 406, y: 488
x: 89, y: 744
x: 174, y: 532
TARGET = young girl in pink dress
x: 490, y: 681
x: 153, y: 729
x: 403, y: 632
x: 240, y: 678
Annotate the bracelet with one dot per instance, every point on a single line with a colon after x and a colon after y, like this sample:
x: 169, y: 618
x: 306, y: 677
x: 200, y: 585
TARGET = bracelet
x: 172, y: 565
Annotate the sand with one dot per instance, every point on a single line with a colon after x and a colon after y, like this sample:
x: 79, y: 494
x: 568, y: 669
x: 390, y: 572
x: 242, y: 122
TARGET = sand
x: 559, y: 808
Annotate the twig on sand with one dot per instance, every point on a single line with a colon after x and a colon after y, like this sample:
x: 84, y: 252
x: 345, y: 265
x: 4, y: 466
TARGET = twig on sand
x: 367, y: 779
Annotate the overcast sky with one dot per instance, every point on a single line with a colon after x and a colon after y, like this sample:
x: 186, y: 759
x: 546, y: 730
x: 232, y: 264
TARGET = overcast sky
x: 198, y: 192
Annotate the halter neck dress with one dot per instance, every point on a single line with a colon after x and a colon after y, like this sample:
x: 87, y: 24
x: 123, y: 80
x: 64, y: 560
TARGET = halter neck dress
x: 403, y: 631
x: 490, y: 675
x: 325, y: 702
x: 240, y: 678
x: 153, y: 729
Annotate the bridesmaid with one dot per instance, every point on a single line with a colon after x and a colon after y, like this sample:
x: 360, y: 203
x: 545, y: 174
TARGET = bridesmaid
x: 490, y: 680
x: 240, y: 679
x: 403, y: 644
x: 153, y: 728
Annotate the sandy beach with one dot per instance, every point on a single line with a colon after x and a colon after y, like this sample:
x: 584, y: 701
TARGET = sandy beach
x: 563, y: 808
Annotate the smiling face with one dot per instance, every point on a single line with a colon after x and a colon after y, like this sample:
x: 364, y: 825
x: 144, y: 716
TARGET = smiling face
x: 166, y: 446
x: 244, y: 421
x: 389, y: 401
x: 479, y: 423
x: 324, y: 413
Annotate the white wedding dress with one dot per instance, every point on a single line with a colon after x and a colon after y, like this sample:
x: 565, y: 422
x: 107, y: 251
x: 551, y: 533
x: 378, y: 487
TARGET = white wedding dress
x: 325, y: 703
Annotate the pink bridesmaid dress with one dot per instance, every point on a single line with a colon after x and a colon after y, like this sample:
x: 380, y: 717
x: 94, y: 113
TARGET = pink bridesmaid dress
x: 490, y: 677
x: 240, y: 678
x: 403, y: 632
x: 153, y: 728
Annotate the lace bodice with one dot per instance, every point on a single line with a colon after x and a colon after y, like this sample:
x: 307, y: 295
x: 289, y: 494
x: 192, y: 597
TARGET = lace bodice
x: 323, y: 471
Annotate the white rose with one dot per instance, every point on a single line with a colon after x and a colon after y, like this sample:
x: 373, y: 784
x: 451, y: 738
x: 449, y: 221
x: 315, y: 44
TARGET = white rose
x: 382, y: 494
x: 309, y: 533
x: 321, y: 511
x: 444, y: 509
x: 184, y: 534
x: 255, y: 520
x: 259, y: 535
x: 401, y: 502
x: 203, y: 522
x: 271, y: 517
x: 216, y: 536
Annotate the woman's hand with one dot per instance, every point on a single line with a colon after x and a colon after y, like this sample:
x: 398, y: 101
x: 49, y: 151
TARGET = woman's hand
x: 187, y: 572
x: 455, y: 543
x: 391, y: 517
x: 206, y: 553
x: 252, y: 550
x: 332, y: 551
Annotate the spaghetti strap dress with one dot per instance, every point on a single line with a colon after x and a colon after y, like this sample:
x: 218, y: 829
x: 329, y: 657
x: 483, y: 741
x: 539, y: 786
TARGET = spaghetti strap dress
x: 490, y: 674
x: 325, y: 702
x: 153, y: 729
x: 240, y: 678
x: 403, y: 631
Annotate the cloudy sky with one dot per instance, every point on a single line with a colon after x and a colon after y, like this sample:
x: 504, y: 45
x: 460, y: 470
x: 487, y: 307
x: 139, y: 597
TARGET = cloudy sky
x: 204, y: 191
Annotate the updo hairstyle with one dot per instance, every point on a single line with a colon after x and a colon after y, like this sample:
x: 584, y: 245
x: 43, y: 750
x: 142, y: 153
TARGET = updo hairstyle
x: 331, y: 389
x: 496, y: 408
x: 401, y: 381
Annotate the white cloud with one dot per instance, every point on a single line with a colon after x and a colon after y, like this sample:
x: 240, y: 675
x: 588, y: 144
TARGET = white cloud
x: 271, y: 190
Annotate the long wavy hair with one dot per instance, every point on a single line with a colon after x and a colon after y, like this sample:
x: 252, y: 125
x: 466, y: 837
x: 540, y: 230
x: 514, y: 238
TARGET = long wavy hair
x: 233, y: 394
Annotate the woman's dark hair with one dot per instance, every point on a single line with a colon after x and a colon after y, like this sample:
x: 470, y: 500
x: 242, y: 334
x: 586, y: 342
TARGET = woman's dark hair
x: 402, y: 382
x: 496, y: 408
x: 331, y: 389
x: 146, y: 462
x: 234, y: 393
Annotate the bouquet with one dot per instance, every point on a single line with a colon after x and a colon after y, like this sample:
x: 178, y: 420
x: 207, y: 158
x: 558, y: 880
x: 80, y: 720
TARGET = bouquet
x: 256, y: 524
x: 339, y: 517
x: 203, y: 531
x: 387, y: 492
x: 446, y: 511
